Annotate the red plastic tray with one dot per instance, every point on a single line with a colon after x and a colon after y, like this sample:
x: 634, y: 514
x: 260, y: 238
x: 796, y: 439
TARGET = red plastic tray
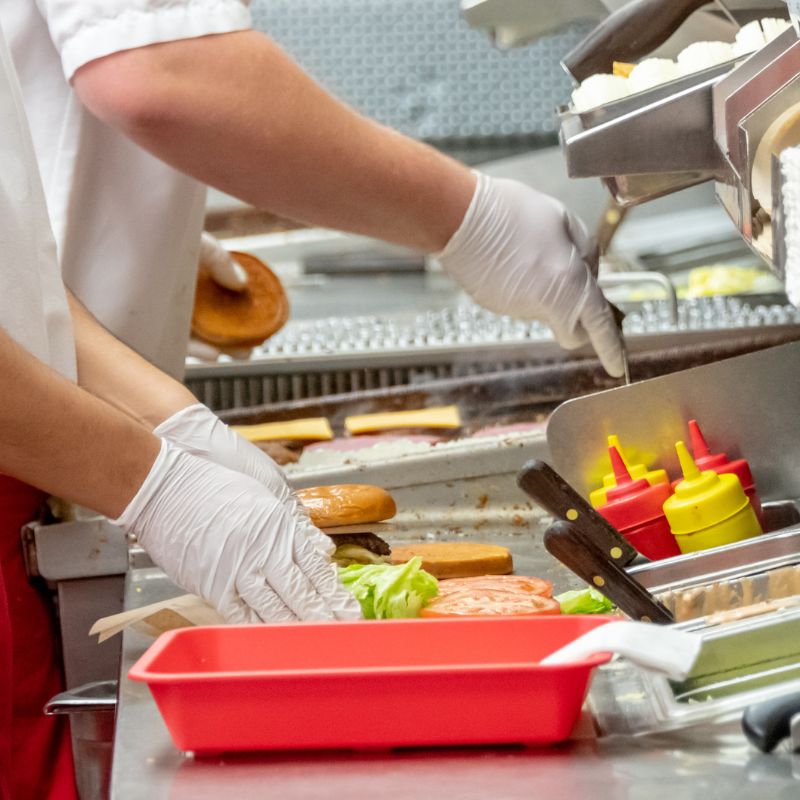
x: 368, y: 684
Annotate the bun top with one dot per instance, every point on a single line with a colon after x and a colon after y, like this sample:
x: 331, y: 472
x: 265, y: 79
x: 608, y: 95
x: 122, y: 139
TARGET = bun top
x: 347, y: 504
x: 245, y: 319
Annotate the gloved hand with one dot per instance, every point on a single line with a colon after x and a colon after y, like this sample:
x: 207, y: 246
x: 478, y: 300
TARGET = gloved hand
x: 218, y: 263
x: 222, y: 535
x: 198, y: 430
x: 522, y: 253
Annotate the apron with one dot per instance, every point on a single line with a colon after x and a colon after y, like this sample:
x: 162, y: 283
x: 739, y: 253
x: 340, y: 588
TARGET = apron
x: 35, y: 750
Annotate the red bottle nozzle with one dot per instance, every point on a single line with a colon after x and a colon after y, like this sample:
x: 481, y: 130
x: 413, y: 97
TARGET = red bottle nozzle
x: 621, y: 473
x: 699, y: 446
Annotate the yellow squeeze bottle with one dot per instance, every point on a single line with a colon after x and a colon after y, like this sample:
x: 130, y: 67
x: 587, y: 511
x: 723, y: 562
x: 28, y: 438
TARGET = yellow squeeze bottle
x: 653, y: 476
x: 707, y: 509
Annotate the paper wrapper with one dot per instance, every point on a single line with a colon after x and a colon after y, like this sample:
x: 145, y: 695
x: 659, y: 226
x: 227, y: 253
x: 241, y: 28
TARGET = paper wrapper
x: 185, y: 611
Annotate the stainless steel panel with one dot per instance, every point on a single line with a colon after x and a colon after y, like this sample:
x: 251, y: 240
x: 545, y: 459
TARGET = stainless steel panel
x: 746, y: 406
x: 80, y: 604
x: 740, y: 663
x: 80, y: 549
x: 759, y: 554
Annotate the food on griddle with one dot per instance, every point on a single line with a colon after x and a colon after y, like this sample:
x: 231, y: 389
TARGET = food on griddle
x: 442, y: 417
x: 347, y: 444
x: 347, y: 504
x: 226, y: 318
x: 278, y: 452
x: 314, y: 429
x: 389, y: 592
x: 457, y: 559
x: 510, y: 429
x: 501, y: 595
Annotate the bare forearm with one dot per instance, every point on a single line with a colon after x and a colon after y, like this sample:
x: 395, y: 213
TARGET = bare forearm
x: 235, y: 112
x: 117, y: 375
x: 57, y: 437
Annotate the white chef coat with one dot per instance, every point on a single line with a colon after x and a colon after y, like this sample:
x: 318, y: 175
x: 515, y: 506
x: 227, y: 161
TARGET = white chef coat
x: 33, y: 304
x: 127, y: 226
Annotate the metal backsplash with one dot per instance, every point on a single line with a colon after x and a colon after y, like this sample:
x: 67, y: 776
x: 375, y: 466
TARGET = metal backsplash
x: 417, y: 66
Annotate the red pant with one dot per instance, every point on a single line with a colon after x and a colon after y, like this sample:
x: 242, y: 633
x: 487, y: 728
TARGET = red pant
x: 35, y: 754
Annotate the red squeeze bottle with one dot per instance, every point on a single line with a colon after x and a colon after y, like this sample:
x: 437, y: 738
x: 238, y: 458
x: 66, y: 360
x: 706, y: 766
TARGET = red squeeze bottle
x: 636, y: 510
x: 722, y: 465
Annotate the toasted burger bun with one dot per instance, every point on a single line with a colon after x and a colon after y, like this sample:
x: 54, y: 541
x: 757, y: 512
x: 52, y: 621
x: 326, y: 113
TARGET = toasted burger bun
x: 346, y: 504
x: 457, y: 559
x: 240, y: 319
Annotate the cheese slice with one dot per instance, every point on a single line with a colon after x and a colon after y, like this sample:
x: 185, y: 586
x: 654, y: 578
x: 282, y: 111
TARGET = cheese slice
x: 314, y: 429
x: 441, y: 417
x: 622, y: 69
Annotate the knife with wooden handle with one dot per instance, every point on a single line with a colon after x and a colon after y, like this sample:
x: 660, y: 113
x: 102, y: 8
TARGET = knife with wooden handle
x: 541, y: 482
x: 567, y: 541
x: 630, y: 33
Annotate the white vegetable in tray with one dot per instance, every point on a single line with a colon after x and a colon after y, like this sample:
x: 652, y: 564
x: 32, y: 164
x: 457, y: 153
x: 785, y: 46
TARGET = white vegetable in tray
x: 598, y: 90
x: 749, y: 39
x: 652, y: 72
x: 603, y: 88
x: 702, y: 55
x: 774, y: 27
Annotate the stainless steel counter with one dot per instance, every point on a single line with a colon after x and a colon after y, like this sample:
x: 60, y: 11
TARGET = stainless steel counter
x: 712, y: 763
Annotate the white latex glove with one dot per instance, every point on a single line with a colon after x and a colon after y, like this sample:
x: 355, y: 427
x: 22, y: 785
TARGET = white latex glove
x: 222, y: 535
x: 225, y: 271
x: 217, y: 261
x: 198, y: 430
x: 522, y: 253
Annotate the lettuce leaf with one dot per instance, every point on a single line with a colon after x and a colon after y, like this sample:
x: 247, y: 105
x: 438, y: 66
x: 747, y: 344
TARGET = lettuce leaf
x: 584, y: 601
x: 390, y: 592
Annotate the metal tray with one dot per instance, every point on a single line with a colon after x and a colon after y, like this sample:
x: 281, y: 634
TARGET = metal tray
x: 740, y: 663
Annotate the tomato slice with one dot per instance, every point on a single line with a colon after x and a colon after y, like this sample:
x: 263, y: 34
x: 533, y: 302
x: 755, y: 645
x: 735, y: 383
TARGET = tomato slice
x: 489, y: 602
x: 521, y: 584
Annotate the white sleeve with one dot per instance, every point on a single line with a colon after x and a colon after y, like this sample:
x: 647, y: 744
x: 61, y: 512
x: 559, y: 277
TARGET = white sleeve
x: 83, y: 30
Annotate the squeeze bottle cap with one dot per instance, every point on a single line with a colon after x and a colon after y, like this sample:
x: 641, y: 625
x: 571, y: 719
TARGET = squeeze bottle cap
x: 702, y: 499
x: 653, y: 476
x: 703, y: 456
x: 719, y: 462
x: 632, y: 503
x: 625, y: 483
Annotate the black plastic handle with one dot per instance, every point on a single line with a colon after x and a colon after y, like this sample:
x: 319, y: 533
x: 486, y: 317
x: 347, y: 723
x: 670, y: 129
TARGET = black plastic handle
x: 542, y: 483
x: 564, y: 541
x: 630, y: 33
x: 767, y: 724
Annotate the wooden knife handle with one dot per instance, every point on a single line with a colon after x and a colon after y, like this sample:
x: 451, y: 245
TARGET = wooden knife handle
x: 541, y: 482
x: 630, y: 33
x: 564, y: 541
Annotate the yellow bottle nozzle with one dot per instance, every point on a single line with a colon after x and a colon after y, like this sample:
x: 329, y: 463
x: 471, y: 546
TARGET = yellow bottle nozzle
x: 688, y: 466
